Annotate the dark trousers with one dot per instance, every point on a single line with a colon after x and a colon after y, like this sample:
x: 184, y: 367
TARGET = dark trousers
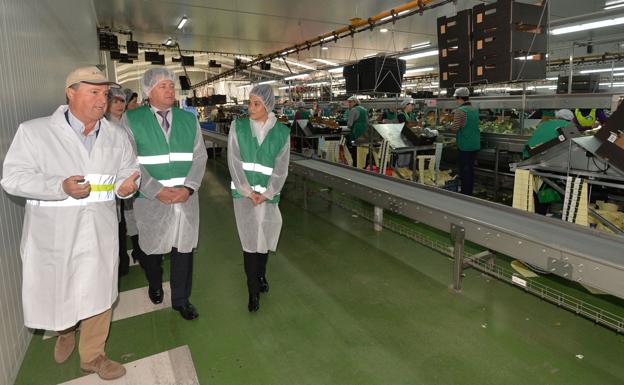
x: 466, y: 170
x: 180, y: 274
x: 255, y: 267
x: 124, y: 260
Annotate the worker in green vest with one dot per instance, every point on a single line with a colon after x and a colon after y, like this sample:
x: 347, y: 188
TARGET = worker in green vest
x: 358, y: 118
x: 466, y: 126
x: 407, y: 106
x: 302, y: 113
x: 258, y: 156
x: 172, y: 154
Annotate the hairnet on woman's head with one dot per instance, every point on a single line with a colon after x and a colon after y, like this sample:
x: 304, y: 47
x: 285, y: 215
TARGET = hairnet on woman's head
x: 153, y: 76
x: 407, y: 101
x: 265, y: 93
x: 116, y: 93
x: 564, y: 114
x: 354, y: 99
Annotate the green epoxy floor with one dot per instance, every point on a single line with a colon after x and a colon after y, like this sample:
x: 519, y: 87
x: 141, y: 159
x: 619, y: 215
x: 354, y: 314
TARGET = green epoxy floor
x: 350, y: 306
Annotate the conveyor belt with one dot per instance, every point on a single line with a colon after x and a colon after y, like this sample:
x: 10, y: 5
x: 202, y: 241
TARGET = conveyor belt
x: 573, y: 252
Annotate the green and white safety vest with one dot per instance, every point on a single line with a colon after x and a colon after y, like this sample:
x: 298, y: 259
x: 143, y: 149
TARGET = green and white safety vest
x: 168, y: 162
x: 259, y: 159
x: 469, y: 136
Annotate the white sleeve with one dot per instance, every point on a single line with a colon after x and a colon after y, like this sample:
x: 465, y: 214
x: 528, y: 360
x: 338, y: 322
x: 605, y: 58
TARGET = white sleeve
x: 22, y: 174
x: 280, y: 172
x: 235, y: 164
x: 129, y: 164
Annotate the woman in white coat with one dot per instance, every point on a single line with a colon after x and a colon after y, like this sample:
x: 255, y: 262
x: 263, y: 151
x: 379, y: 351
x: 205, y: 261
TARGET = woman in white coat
x: 258, y: 156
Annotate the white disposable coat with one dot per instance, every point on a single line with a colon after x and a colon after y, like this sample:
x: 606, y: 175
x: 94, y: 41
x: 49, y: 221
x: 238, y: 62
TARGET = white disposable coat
x: 69, y: 247
x: 258, y: 226
x: 163, y: 226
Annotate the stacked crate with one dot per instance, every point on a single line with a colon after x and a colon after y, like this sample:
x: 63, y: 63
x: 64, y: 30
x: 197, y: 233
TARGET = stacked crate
x: 505, y: 32
x: 454, y: 46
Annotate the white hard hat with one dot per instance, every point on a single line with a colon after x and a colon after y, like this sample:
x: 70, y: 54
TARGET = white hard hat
x: 461, y: 92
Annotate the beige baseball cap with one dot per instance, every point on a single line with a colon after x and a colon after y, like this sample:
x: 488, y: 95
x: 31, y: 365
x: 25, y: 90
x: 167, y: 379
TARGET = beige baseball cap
x: 90, y: 75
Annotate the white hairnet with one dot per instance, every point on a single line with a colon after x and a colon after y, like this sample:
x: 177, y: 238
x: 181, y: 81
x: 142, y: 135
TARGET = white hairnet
x: 407, y: 101
x: 153, y: 76
x: 301, y: 105
x: 565, y: 115
x: 265, y: 93
x: 354, y: 99
x: 116, y: 93
x: 461, y: 92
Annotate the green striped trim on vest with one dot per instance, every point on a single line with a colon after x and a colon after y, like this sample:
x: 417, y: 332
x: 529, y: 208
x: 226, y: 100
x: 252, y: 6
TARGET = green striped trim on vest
x: 258, y: 160
x: 168, y: 162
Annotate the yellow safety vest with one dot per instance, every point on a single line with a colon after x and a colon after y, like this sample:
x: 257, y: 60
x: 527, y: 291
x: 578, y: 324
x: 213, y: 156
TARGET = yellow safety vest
x: 585, y: 121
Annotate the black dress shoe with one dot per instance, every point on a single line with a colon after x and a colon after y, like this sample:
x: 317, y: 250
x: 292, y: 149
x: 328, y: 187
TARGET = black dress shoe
x: 188, y: 311
x: 264, y: 285
x: 156, y: 296
x: 254, y: 302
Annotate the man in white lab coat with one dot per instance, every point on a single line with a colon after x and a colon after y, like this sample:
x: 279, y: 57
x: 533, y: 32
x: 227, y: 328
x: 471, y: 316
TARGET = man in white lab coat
x: 70, y: 166
x: 172, y: 155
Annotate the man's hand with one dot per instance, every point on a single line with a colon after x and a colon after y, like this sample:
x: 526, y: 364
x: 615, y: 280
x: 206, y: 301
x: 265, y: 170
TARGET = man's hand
x: 182, y: 194
x: 167, y: 195
x: 75, y: 187
x: 257, y: 198
x: 129, y: 185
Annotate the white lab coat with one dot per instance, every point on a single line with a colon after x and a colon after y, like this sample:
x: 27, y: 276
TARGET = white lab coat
x: 69, y: 247
x: 258, y: 226
x: 163, y: 226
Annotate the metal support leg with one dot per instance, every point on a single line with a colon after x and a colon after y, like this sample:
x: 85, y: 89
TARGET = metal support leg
x: 378, y: 218
x: 458, y: 235
x: 496, y: 166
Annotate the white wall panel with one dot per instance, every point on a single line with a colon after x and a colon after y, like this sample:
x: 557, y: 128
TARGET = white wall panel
x: 42, y: 41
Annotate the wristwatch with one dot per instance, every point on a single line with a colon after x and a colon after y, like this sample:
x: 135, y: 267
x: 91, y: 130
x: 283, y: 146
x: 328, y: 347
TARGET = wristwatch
x: 190, y: 190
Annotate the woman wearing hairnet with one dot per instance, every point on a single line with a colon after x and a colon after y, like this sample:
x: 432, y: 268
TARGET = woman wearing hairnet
x: 258, y: 156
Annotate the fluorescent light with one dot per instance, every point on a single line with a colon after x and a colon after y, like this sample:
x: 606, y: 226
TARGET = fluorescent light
x: 299, y: 76
x: 182, y: 22
x: 336, y: 70
x: 284, y: 87
x: 421, y: 45
x: 420, y: 54
x: 530, y: 57
x: 243, y: 58
x: 546, y: 87
x: 383, y: 30
x: 169, y: 41
x: 614, y: 84
x: 300, y: 64
x: 330, y: 63
x: 551, y: 79
x: 327, y: 38
x: 619, y: 74
x: 324, y: 48
x: 369, y: 55
x: 602, y: 70
x: 611, y: 2
x: 614, y: 6
x: 268, y: 82
x: 586, y: 26
x: 423, y: 69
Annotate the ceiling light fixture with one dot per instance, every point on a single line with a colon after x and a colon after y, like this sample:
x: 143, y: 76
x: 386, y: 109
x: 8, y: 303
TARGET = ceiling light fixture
x: 369, y: 55
x: 329, y: 63
x: 336, y: 70
x: 423, y: 69
x: 300, y: 76
x: 182, y: 22
x: 169, y: 41
x: 383, y: 30
x: 268, y: 82
x: 602, y: 70
x: 421, y: 45
x: 324, y: 48
x: 420, y: 55
x: 300, y: 64
x: 586, y: 26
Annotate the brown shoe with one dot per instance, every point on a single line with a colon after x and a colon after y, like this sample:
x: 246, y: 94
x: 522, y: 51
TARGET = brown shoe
x: 105, y: 368
x: 64, y: 347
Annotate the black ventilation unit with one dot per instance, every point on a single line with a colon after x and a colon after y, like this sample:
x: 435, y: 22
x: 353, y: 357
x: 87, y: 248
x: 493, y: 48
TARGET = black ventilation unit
x: 375, y: 75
